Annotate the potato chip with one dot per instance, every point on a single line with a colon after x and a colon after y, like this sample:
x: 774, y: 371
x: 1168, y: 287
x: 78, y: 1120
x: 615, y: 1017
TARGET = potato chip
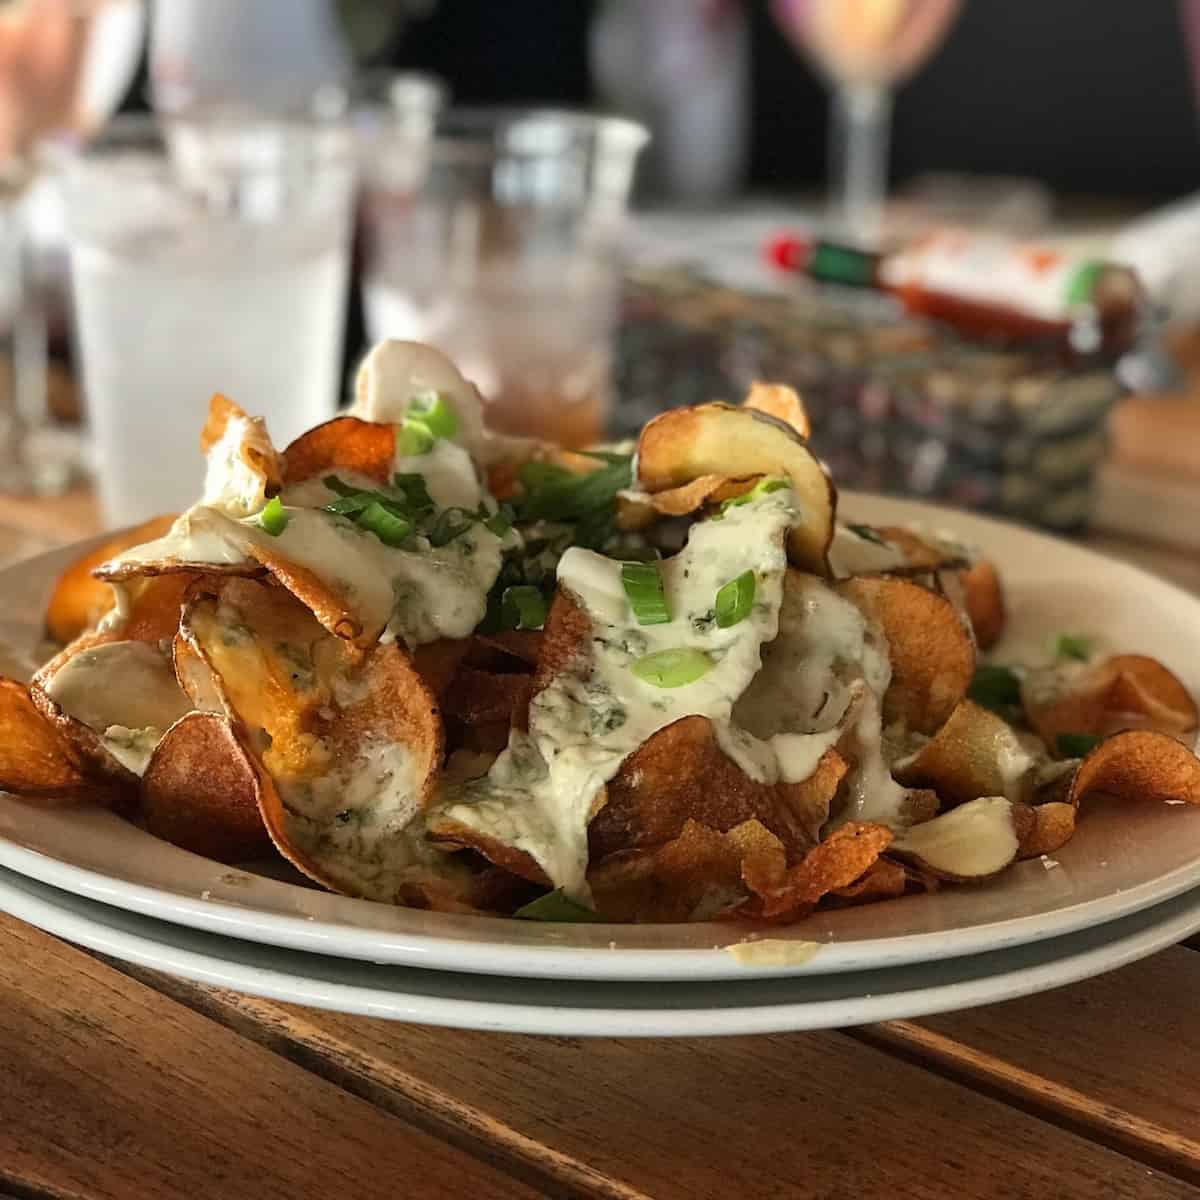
x: 983, y: 596
x: 342, y: 444
x: 681, y: 774
x: 637, y: 510
x: 351, y: 744
x: 201, y: 791
x: 487, y: 697
x: 695, y: 876
x: 971, y: 842
x: 243, y: 468
x: 1049, y: 828
x: 884, y: 880
x: 837, y: 862
x: 781, y: 402
x: 36, y: 761
x: 1138, y: 764
x: 975, y: 753
x: 522, y: 645
x: 683, y: 444
x: 932, y: 655
x: 1123, y: 692
x: 437, y: 662
x: 79, y: 600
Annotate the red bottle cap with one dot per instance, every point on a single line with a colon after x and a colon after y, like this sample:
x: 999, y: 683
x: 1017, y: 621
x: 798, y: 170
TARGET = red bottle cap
x: 788, y: 251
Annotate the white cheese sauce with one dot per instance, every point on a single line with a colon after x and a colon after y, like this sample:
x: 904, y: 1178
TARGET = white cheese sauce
x: 126, y: 692
x: 540, y: 793
x: 230, y: 483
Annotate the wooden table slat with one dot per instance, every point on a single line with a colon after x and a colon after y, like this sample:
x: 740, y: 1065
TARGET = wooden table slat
x: 111, y: 1090
x: 1116, y: 1055
x: 805, y: 1115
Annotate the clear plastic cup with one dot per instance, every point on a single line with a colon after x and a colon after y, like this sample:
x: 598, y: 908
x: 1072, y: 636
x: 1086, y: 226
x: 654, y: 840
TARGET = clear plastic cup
x: 494, y: 237
x: 208, y: 254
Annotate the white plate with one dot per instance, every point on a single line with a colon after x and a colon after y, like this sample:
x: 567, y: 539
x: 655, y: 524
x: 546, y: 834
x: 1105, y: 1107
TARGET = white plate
x: 580, y: 1008
x: 1123, y: 859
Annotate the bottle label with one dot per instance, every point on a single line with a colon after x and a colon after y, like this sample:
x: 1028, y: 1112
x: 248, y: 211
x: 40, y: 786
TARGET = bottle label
x: 841, y: 264
x: 1045, y: 284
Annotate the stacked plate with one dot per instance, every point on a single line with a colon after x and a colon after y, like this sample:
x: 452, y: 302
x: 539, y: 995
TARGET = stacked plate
x: 1127, y: 885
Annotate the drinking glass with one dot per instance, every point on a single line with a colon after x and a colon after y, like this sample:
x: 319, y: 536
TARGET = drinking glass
x: 864, y: 47
x: 495, y: 239
x: 64, y: 66
x: 208, y: 253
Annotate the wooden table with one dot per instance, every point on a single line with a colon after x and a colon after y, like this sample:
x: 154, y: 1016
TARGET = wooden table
x: 121, y: 1083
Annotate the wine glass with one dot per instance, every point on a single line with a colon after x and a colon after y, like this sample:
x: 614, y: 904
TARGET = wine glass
x: 64, y: 67
x: 864, y: 48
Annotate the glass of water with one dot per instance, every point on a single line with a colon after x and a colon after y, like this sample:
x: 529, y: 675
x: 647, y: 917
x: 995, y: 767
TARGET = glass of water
x: 493, y: 235
x: 208, y: 253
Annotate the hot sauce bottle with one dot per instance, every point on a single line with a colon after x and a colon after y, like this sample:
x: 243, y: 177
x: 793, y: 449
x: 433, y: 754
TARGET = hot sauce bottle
x: 988, y: 287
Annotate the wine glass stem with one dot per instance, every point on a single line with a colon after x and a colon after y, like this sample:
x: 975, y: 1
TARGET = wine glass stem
x: 858, y: 145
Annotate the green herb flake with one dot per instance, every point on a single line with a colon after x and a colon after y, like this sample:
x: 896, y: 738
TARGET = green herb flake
x: 868, y: 534
x: 557, y: 907
x: 997, y: 688
x: 1073, y: 645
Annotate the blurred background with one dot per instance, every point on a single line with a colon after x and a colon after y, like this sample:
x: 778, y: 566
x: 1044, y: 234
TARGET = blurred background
x: 967, y: 230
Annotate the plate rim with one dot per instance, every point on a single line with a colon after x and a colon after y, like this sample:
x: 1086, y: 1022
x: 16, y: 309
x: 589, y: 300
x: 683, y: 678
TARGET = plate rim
x: 632, y: 963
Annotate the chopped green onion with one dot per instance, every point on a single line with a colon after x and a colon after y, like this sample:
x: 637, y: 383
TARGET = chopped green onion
x: 350, y: 506
x: 451, y: 523
x: 334, y: 484
x: 611, y: 457
x: 644, y: 590
x: 1073, y: 645
x: 868, y: 533
x: 1076, y: 745
x: 997, y: 688
x: 762, y: 488
x: 390, y: 528
x: 414, y: 438
x: 735, y: 600
x: 499, y: 522
x: 555, y: 906
x: 672, y: 668
x: 435, y: 412
x: 523, y: 607
x: 553, y: 493
x: 414, y: 491
x: 273, y: 518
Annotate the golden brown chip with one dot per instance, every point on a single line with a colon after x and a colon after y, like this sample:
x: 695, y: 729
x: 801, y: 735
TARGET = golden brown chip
x: 345, y: 444
x: 684, y: 444
x: 636, y: 510
x: 79, y: 600
x: 255, y: 449
x: 36, y: 761
x: 837, y: 862
x: 781, y: 402
x: 1138, y: 764
x: 1129, y: 691
x: 932, y: 655
x: 969, y: 843
x: 884, y: 880
x: 1049, y: 827
x: 437, y: 662
x: 201, y: 791
x: 454, y: 835
x: 695, y: 876
x: 919, y: 554
x: 523, y: 645
x: 681, y: 774
x: 488, y: 698
x: 975, y: 753
x: 983, y: 595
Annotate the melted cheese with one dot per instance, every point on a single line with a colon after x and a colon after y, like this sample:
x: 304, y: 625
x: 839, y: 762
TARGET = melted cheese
x: 540, y: 793
x: 230, y: 483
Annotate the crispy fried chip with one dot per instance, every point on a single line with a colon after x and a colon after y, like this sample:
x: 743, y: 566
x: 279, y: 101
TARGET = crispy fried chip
x: 884, y: 880
x: 844, y: 857
x: 350, y: 745
x: 971, y: 842
x: 1138, y: 764
x: 488, y: 698
x: 636, y: 510
x: 932, y: 655
x: 1125, y: 692
x: 681, y: 774
x: 525, y: 646
x: 250, y: 452
x: 201, y: 791
x: 343, y: 444
x: 79, y: 600
x: 684, y: 444
x: 437, y: 662
x: 1049, y: 827
x: 781, y: 402
x: 695, y: 876
x: 36, y: 761
x: 975, y: 753
x: 983, y: 596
